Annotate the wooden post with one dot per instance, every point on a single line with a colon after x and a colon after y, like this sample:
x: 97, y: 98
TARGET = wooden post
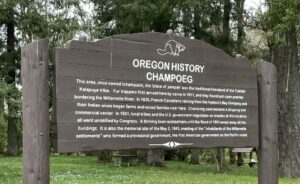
x: 268, y: 124
x: 36, y: 148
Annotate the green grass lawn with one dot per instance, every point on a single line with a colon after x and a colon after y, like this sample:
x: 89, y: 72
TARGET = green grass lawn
x: 87, y: 170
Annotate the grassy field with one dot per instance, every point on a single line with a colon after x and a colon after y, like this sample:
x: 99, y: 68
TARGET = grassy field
x: 87, y: 170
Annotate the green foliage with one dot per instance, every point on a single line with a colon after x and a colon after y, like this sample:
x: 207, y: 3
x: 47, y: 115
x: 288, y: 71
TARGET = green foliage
x: 206, y: 21
x: 192, y: 18
x: 126, y: 16
x: 31, y: 20
x: 207, y: 155
x: 4, y: 88
x: 10, y: 97
x: 283, y: 16
x: 177, y: 154
x: 3, y: 134
x: 13, y: 101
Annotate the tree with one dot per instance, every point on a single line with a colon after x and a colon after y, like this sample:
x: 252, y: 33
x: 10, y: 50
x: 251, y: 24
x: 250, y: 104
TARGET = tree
x: 24, y: 21
x: 195, y: 156
x: 154, y: 158
x: 239, y: 14
x: 11, y: 57
x: 282, y: 20
x: 119, y: 16
x: 226, y: 27
x: 104, y: 156
x: 4, y: 88
x: 219, y: 155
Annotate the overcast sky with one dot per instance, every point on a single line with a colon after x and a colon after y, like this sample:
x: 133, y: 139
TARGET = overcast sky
x: 253, y: 4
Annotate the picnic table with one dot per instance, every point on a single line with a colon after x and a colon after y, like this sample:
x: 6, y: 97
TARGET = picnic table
x: 240, y: 161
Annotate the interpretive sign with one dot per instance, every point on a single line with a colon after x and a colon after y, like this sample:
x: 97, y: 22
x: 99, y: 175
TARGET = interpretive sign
x: 152, y: 90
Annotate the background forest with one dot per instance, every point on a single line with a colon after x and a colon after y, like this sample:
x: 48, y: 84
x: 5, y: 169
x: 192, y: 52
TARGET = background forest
x: 271, y: 32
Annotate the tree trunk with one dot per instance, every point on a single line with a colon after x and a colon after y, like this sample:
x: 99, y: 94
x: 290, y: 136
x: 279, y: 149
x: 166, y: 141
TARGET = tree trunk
x: 196, y: 24
x: 153, y: 158
x: 285, y: 57
x: 232, y: 159
x: 240, y: 26
x: 1, y: 105
x: 142, y: 156
x: 220, y: 159
x: 12, y: 141
x: 182, y: 154
x: 104, y: 156
x: 195, y: 156
x: 226, y: 18
x: 12, y: 138
x: 226, y: 28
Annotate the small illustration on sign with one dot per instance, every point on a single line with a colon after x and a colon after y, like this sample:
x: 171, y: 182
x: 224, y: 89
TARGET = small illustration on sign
x: 172, y: 47
x: 172, y: 144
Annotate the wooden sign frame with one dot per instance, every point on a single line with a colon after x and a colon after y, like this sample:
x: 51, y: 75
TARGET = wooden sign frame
x: 152, y: 91
x: 36, y: 123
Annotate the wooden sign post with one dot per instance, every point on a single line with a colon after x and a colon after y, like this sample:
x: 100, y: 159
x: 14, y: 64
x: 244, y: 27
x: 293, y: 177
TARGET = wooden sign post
x: 268, y: 124
x: 35, y: 113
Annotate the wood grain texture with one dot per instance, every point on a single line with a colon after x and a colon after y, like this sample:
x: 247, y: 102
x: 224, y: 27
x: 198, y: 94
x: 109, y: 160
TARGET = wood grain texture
x: 35, y: 113
x: 268, y: 124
